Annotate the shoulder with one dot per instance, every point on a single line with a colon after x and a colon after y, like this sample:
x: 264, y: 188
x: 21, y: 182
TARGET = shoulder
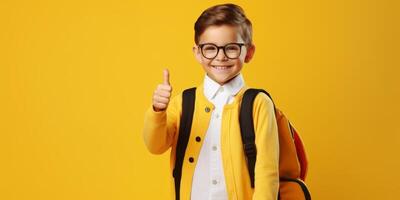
x: 177, y: 97
x: 263, y: 102
x: 263, y: 98
x: 175, y: 103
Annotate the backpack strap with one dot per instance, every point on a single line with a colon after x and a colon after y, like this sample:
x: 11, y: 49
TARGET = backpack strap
x: 188, y: 99
x: 248, y: 138
x: 247, y: 129
x: 307, y: 195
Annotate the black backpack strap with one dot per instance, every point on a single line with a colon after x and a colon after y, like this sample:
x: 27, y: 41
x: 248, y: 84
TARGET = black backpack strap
x: 303, y: 186
x: 188, y: 99
x: 247, y: 129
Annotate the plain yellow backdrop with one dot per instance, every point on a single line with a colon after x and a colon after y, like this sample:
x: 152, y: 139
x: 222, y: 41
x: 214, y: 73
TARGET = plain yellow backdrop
x: 77, y: 76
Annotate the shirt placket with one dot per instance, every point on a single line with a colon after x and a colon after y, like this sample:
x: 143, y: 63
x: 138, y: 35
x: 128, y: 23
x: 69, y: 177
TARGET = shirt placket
x: 217, y: 182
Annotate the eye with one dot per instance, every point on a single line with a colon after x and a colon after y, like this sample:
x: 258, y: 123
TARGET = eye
x: 232, y: 47
x: 209, y: 48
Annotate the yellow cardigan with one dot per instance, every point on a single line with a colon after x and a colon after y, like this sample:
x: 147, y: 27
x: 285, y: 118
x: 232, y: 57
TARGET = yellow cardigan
x: 161, y: 131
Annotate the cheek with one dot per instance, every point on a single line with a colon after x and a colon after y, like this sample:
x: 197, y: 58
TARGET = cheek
x: 243, y: 55
x: 239, y: 66
x: 205, y: 61
x: 240, y: 60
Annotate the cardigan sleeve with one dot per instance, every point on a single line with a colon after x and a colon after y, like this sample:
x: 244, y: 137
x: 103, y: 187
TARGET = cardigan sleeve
x: 160, y: 128
x: 266, y: 178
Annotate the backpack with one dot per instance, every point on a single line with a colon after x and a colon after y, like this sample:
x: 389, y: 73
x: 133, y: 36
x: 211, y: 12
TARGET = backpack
x: 292, y: 159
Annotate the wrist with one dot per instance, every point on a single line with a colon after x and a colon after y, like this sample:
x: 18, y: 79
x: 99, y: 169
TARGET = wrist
x: 157, y: 109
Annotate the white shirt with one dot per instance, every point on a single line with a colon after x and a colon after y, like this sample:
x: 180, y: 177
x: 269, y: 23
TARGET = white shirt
x: 208, y: 179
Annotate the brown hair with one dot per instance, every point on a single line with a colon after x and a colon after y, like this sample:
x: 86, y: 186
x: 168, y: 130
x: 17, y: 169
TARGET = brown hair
x: 224, y: 14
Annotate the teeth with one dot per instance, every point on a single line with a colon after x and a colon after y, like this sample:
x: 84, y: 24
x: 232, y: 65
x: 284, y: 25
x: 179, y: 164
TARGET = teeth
x: 221, y: 67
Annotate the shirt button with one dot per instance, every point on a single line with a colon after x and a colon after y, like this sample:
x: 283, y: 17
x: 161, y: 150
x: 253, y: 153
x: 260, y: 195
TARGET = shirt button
x: 217, y: 115
x: 191, y: 159
x: 221, y: 89
x: 207, y: 109
x: 198, y: 139
x: 214, y: 182
x: 214, y: 148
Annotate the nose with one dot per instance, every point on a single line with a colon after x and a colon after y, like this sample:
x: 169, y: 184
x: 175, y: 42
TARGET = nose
x: 221, y: 55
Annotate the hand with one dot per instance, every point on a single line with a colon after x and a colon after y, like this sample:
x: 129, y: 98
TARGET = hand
x: 162, y: 94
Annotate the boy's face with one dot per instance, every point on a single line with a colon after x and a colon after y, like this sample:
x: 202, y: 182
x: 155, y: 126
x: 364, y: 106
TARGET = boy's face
x: 221, y: 68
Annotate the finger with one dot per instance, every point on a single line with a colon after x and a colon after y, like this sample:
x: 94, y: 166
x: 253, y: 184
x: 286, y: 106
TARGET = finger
x: 166, y: 77
x: 160, y: 105
x: 162, y: 100
x: 163, y: 93
x: 163, y: 87
x: 159, y: 98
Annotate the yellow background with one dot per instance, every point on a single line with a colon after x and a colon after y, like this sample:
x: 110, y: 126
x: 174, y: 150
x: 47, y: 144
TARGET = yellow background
x: 77, y: 76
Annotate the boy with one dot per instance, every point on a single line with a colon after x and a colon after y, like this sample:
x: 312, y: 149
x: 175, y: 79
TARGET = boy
x: 214, y: 165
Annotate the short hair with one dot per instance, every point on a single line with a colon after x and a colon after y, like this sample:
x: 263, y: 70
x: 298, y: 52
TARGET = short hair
x: 224, y: 14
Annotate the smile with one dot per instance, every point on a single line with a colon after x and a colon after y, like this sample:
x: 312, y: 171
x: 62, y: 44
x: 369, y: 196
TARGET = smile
x: 221, y: 67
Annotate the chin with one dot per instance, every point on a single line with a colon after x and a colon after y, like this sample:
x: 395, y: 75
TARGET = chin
x: 222, y: 81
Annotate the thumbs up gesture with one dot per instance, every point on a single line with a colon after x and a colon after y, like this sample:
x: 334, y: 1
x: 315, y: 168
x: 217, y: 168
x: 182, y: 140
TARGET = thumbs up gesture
x: 162, y: 94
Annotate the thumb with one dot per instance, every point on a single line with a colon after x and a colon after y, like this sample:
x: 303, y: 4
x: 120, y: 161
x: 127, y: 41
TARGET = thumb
x: 166, y: 76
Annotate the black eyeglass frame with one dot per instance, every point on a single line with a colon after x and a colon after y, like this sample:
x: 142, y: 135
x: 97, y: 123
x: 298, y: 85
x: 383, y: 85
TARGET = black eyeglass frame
x: 223, y: 48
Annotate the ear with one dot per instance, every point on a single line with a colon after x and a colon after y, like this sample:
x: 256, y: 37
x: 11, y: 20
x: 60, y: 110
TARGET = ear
x: 250, y: 53
x: 196, y: 53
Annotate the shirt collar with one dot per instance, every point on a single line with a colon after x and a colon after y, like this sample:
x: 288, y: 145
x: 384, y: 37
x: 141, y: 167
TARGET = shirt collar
x: 231, y: 88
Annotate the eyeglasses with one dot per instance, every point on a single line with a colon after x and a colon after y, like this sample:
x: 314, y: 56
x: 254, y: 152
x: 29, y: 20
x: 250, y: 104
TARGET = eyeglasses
x: 231, y: 50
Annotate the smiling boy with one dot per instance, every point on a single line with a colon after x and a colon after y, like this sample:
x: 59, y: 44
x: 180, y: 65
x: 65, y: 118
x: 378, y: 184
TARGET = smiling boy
x: 214, y: 165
